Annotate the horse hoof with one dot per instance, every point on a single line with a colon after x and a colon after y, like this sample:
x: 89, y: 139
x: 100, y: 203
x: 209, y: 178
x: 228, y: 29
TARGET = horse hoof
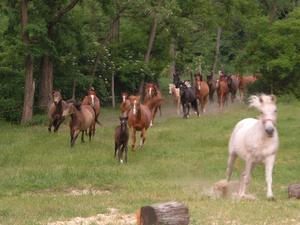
x: 271, y: 198
x: 121, y: 161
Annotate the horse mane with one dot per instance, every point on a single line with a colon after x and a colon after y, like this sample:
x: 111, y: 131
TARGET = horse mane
x: 257, y: 100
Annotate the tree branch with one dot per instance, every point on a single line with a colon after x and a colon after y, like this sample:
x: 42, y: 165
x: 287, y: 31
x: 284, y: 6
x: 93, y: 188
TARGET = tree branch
x: 62, y: 12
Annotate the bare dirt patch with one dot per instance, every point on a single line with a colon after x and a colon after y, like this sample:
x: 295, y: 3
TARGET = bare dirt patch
x: 113, y: 217
x: 71, y: 192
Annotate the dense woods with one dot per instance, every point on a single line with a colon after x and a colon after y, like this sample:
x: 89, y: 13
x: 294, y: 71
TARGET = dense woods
x: 117, y: 45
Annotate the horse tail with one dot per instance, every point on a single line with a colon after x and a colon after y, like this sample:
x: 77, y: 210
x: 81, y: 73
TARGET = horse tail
x: 96, y: 117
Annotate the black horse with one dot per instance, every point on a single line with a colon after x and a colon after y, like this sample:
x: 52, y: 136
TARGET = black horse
x: 233, y: 85
x: 187, y: 97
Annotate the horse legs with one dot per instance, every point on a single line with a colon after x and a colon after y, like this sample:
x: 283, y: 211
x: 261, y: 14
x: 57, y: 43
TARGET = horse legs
x: 58, y: 123
x: 195, y: 106
x: 133, y: 139
x: 82, y: 136
x: 74, y: 137
x: 120, y: 153
x: 245, y: 178
x: 143, y: 137
x: 269, y: 163
x: 126, y: 152
x: 178, y: 107
x: 231, y: 159
x: 184, y: 105
x: 50, y: 125
x: 116, y: 148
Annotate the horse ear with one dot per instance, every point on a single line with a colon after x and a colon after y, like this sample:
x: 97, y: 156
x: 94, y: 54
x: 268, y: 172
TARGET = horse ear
x: 273, y: 98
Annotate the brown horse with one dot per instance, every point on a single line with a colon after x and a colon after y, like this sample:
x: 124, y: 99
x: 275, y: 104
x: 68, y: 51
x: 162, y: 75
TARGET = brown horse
x: 202, y: 92
x: 125, y: 105
x: 55, y: 111
x: 233, y: 82
x: 175, y: 92
x: 92, y: 100
x: 244, y: 82
x: 212, y: 87
x: 222, y: 91
x: 151, y: 91
x: 82, y: 119
x: 139, y: 117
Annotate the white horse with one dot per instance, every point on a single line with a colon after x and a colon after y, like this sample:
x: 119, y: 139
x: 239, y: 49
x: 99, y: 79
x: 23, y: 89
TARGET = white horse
x: 255, y: 141
x: 176, y: 94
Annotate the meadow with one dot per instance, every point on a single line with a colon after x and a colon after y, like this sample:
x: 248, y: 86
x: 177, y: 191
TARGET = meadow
x: 181, y: 160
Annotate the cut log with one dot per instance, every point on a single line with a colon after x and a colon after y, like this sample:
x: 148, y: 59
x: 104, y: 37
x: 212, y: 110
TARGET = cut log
x: 169, y: 213
x: 294, y: 191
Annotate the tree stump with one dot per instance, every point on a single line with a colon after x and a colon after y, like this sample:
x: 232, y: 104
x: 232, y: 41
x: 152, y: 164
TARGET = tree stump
x: 169, y: 213
x: 294, y: 191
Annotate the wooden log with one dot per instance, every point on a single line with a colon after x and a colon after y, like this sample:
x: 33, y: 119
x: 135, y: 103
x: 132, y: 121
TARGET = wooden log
x: 169, y: 213
x: 294, y: 191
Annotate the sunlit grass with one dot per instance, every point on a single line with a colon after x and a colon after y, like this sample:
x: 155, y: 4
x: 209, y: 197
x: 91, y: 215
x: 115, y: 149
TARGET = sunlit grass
x: 181, y: 159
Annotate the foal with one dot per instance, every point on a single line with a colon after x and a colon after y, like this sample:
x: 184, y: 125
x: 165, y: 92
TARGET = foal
x: 255, y: 141
x: 121, y: 139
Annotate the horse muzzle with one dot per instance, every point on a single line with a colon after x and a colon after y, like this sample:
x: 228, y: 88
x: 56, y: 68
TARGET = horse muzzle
x: 270, y: 131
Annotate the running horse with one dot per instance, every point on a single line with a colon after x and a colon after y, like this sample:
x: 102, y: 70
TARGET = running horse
x: 222, y: 91
x: 139, y: 117
x: 175, y: 92
x: 125, y: 105
x: 244, y: 82
x: 202, y: 91
x: 92, y: 100
x: 212, y: 87
x: 233, y: 82
x: 151, y: 91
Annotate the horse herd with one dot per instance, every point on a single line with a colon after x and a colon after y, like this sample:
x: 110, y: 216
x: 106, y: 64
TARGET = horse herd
x: 254, y: 140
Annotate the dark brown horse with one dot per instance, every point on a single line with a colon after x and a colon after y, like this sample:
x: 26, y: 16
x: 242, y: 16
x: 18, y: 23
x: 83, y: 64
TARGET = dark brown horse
x: 202, y: 92
x: 222, y: 91
x: 121, y: 139
x: 139, y: 117
x: 125, y: 105
x: 55, y: 111
x: 151, y: 92
x: 212, y: 87
x: 233, y: 82
x: 82, y: 120
x: 92, y: 100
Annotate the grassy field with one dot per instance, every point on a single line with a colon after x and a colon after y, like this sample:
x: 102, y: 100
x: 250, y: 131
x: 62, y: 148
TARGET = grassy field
x: 181, y: 160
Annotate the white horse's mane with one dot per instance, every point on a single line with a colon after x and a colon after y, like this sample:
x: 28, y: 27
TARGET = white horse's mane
x: 256, y: 101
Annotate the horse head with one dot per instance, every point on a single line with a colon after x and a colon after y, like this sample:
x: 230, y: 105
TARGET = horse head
x: 198, y: 84
x: 124, y: 96
x: 56, y: 97
x: 91, y: 94
x: 266, y: 104
x: 69, y: 109
x: 171, y: 87
x: 150, y: 89
x: 123, y: 122
x: 134, y: 104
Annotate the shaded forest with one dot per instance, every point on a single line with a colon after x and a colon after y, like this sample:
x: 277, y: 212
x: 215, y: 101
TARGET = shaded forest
x: 117, y: 45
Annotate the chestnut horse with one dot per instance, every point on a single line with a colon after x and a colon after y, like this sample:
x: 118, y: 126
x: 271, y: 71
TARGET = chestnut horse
x: 244, y: 82
x: 202, y: 92
x: 222, y: 91
x: 92, y: 100
x: 82, y: 119
x: 139, y: 117
x: 125, y: 105
x: 151, y: 91
x: 176, y: 94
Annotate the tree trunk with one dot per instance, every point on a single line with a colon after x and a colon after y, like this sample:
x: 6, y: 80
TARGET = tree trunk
x: 218, y: 43
x: 172, y: 55
x: 29, y: 90
x: 170, y: 213
x: 46, y: 82
x: 29, y: 82
x: 149, y: 49
x: 113, y: 90
x: 74, y: 90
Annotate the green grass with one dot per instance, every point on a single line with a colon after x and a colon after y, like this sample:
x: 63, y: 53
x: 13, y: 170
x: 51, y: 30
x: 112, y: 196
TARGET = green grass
x: 181, y: 159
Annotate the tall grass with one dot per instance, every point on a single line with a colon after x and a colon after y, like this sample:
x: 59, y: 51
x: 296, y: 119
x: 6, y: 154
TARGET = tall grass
x: 181, y: 159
